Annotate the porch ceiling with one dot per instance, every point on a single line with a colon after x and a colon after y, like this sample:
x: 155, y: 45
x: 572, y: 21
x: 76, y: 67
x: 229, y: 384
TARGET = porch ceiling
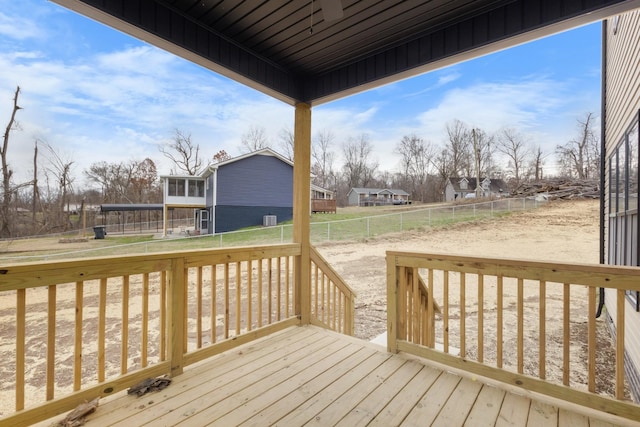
x: 269, y: 45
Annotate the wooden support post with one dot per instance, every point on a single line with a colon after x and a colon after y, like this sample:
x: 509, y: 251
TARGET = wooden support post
x: 176, y: 316
x: 301, y: 209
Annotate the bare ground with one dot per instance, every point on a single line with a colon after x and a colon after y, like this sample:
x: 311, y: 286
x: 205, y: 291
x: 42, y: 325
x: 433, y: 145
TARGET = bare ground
x: 563, y: 231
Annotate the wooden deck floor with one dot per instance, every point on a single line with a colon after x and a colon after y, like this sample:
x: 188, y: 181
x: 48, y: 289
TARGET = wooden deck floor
x: 309, y: 376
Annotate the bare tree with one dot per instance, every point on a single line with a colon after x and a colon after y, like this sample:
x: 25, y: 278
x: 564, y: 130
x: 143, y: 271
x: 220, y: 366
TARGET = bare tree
x: 323, y: 157
x: 58, y: 170
x: 114, y: 180
x: 359, y: 168
x: 286, y: 142
x: 35, y: 199
x: 580, y: 157
x: 184, y: 154
x: 7, y: 172
x: 537, y: 162
x: 458, y: 148
x: 254, y: 139
x: 144, y: 176
x: 513, y: 145
x: 417, y: 158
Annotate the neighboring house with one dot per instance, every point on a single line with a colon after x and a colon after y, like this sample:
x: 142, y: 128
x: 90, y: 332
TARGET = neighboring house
x: 377, y: 196
x: 237, y: 193
x: 621, y: 78
x: 460, y: 188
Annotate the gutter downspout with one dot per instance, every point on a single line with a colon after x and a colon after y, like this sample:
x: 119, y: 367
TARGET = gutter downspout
x: 603, y: 146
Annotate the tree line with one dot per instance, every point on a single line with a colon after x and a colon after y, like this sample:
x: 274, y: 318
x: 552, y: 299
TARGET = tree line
x: 52, y: 202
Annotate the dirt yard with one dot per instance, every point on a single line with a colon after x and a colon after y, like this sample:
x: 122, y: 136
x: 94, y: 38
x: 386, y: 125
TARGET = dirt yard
x: 563, y: 231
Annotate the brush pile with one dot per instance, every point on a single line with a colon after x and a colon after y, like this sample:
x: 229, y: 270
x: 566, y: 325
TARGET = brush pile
x: 560, y: 188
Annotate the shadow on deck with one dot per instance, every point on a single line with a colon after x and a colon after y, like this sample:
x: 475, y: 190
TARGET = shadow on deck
x: 308, y: 375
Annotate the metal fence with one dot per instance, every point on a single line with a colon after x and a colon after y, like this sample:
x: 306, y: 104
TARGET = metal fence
x: 357, y: 229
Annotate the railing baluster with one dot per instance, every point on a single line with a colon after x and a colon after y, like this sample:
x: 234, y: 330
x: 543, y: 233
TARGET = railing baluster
x: 77, y: 349
x: 226, y: 300
x: 315, y: 287
x: 260, y: 293
x: 542, y: 331
x: 238, y: 298
x: 620, y: 325
x: 102, y: 329
x: 287, y: 284
x: 249, y: 294
x: 323, y: 302
x: 591, y: 340
x: 270, y: 290
x: 520, y: 325
x: 145, y: 320
x: 499, y: 319
x: 566, y: 327
x: 214, y: 303
x: 51, y: 341
x: 279, y: 295
x: 199, y: 307
x: 430, y: 323
x: 463, y: 349
x: 163, y: 315
x: 480, y: 318
x: 21, y: 312
x: 445, y: 308
x: 124, y: 345
x: 185, y: 304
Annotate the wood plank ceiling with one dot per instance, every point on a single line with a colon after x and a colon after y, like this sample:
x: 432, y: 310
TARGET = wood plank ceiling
x: 288, y: 50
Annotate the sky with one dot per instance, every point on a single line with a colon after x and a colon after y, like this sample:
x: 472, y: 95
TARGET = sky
x: 95, y: 94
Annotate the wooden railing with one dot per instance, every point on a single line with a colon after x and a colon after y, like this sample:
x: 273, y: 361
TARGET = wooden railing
x: 76, y: 330
x: 528, y: 324
x: 332, y: 300
x: 323, y: 205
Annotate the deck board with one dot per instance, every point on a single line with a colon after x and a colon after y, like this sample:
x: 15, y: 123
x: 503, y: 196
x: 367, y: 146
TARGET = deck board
x: 309, y: 376
x: 486, y: 408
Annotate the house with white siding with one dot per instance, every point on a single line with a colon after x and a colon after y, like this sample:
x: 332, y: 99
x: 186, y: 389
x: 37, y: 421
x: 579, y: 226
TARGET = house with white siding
x: 461, y: 188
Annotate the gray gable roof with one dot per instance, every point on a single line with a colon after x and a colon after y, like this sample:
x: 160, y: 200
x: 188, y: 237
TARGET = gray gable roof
x: 497, y: 185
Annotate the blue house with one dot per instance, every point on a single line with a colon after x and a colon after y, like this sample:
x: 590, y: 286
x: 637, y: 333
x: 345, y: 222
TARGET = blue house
x: 244, y: 189
x: 235, y: 193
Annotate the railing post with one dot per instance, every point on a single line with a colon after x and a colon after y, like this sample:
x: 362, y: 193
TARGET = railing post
x: 392, y: 304
x: 301, y: 210
x: 176, y: 316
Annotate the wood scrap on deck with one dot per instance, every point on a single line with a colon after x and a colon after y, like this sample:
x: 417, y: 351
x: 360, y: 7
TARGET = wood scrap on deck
x: 150, y: 384
x: 76, y: 417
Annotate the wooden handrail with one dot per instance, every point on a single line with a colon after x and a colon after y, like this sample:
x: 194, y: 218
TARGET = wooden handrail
x: 155, y: 304
x: 332, y: 300
x: 477, y: 293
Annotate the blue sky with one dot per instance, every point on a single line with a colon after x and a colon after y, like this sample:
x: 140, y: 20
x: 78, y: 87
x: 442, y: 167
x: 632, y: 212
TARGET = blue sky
x: 96, y: 94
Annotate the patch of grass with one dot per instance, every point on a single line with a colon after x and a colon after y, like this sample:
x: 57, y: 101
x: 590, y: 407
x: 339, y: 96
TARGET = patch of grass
x: 126, y: 240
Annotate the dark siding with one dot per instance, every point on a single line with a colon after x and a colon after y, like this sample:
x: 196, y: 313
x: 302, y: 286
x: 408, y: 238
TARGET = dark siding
x: 230, y: 218
x: 256, y: 181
